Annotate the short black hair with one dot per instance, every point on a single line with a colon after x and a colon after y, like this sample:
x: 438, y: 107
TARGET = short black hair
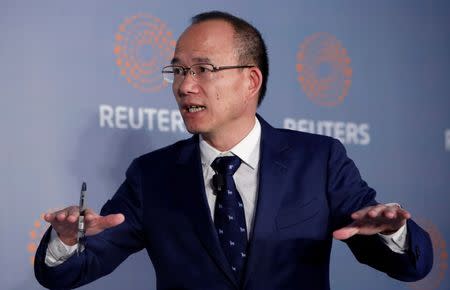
x: 250, y: 44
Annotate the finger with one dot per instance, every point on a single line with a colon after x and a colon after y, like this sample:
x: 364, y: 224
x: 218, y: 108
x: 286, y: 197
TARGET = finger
x: 111, y: 220
x: 362, y: 212
x: 395, y: 212
x: 404, y: 213
x: 61, y: 215
x: 376, y: 211
x: 90, y: 215
x: 90, y: 211
x: 49, y: 217
x: 72, y: 214
x: 390, y: 213
x: 346, y: 232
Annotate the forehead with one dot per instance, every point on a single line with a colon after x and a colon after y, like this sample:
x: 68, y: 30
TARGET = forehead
x: 209, y: 41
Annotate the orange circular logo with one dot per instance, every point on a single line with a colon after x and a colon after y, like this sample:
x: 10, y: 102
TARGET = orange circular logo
x: 324, y: 70
x: 35, y: 235
x: 440, y: 264
x: 143, y: 46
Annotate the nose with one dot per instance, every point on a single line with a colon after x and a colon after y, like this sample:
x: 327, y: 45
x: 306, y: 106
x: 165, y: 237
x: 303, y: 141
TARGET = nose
x: 186, y: 86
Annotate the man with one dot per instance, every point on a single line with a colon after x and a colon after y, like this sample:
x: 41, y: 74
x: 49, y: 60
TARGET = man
x: 240, y: 205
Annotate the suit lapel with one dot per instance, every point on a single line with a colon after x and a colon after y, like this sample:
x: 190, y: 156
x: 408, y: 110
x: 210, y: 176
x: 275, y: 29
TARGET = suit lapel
x: 272, y: 182
x: 190, y: 176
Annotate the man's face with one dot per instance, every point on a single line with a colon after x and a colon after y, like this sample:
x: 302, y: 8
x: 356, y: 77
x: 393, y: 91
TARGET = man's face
x: 222, y: 103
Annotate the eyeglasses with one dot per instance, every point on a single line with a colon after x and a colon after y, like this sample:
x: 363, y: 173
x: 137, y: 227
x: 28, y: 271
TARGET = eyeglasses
x: 200, y: 72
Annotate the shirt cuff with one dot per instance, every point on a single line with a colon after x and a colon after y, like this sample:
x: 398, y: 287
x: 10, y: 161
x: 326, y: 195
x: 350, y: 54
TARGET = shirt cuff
x: 396, y: 241
x: 58, y: 252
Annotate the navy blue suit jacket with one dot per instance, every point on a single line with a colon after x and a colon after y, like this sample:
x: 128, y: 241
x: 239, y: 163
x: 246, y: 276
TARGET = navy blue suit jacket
x: 308, y: 187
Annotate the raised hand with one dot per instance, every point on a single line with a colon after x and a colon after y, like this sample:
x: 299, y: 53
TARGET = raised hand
x: 384, y: 219
x: 65, y: 223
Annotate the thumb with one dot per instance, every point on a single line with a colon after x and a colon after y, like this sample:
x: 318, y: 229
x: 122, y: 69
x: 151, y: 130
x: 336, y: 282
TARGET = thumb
x: 111, y: 220
x: 346, y: 232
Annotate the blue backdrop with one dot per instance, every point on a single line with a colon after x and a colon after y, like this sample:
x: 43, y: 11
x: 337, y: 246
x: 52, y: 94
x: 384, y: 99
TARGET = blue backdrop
x: 81, y: 96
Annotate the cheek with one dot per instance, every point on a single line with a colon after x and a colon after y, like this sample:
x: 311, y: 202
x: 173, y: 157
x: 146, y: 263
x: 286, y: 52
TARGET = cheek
x: 213, y: 95
x: 226, y: 95
x: 217, y: 95
x: 226, y: 90
x: 175, y: 91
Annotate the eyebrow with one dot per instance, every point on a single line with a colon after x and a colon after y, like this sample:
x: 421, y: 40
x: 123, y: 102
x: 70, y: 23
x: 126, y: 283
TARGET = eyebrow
x: 201, y: 59
x: 176, y: 60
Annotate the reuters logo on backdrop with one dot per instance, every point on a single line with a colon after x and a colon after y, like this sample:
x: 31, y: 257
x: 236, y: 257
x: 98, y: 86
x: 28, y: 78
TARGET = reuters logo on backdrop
x: 143, y: 46
x: 324, y: 70
x: 435, y: 278
x: 35, y: 235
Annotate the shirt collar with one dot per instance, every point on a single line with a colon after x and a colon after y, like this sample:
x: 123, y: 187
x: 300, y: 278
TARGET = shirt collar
x: 247, y: 149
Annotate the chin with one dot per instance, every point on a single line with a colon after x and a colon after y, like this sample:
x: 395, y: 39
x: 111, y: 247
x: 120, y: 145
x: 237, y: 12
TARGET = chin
x: 194, y: 129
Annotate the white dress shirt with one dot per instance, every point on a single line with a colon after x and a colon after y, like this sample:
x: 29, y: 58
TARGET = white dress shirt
x: 246, y: 179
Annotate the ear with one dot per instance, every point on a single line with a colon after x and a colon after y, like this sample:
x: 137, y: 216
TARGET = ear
x: 255, y: 81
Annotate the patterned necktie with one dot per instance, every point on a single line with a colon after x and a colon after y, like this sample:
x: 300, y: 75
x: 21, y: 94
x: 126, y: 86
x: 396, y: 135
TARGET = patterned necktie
x: 229, y: 216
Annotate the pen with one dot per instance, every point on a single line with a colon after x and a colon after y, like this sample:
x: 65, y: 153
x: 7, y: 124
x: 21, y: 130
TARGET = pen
x: 82, y: 209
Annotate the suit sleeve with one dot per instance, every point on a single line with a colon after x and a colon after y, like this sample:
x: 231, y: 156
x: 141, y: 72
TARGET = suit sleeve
x: 104, y: 251
x: 347, y: 193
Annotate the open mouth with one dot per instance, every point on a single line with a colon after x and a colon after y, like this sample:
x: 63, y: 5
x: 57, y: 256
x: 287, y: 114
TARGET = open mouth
x: 195, y: 108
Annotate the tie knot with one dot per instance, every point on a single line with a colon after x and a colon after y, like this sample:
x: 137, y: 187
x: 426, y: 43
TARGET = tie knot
x: 226, y: 165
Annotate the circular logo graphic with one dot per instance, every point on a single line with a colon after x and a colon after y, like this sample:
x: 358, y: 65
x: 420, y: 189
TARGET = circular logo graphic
x: 35, y: 235
x: 143, y: 46
x: 324, y: 70
x: 440, y: 264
